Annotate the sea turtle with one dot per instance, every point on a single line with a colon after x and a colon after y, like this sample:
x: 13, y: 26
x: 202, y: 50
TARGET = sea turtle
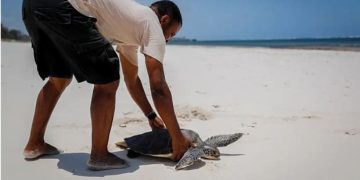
x: 158, y: 144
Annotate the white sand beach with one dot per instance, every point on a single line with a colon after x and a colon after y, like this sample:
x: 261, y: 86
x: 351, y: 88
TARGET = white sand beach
x: 299, y: 110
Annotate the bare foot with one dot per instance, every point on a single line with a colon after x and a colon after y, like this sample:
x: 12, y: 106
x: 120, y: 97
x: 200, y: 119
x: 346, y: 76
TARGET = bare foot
x: 45, y: 149
x: 109, y: 162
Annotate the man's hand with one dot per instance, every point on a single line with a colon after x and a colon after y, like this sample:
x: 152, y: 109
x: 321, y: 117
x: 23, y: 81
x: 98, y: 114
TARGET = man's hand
x: 179, y: 148
x: 157, y: 123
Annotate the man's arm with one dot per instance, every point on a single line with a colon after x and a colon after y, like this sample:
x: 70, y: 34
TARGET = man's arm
x: 136, y: 90
x: 163, y: 102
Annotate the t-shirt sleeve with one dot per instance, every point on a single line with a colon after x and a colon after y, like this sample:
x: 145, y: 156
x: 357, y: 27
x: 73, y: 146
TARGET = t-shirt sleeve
x: 153, y: 43
x: 130, y: 52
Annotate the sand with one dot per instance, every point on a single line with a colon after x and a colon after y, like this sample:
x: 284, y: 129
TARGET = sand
x: 299, y: 109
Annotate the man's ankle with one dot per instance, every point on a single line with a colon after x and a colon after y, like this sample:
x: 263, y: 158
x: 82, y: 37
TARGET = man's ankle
x: 98, y: 156
x: 34, y: 145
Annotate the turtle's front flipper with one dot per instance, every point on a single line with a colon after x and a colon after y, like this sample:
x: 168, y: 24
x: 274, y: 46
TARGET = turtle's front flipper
x: 122, y: 145
x: 192, y: 155
x: 222, y: 140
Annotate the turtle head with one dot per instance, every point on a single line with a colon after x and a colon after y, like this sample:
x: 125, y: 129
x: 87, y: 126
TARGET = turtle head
x: 210, y: 152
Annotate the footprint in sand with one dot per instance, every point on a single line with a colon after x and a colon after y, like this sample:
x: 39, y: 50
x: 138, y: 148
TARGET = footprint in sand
x: 310, y: 117
x: 295, y: 118
x: 352, y: 132
x: 185, y: 113
x: 189, y: 113
x: 250, y: 125
x: 129, y: 120
x: 200, y: 92
x: 129, y: 112
x: 215, y: 106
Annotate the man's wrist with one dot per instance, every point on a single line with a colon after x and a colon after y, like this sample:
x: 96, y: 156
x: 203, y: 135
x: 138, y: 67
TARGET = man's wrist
x: 179, y: 139
x: 151, y: 116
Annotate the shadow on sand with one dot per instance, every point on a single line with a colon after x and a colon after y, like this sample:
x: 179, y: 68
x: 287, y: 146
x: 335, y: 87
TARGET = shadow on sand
x: 75, y: 163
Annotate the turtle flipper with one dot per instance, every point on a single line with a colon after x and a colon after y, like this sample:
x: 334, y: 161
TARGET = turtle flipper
x: 222, y: 140
x: 122, y: 145
x: 192, y: 155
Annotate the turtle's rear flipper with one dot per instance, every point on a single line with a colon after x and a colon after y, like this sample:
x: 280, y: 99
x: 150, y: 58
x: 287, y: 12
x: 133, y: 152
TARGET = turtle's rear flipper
x: 122, y: 145
x: 192, y: 155
x: 132, y: 154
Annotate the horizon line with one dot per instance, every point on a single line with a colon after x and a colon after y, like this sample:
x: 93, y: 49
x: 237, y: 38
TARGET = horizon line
x: 269, y: 39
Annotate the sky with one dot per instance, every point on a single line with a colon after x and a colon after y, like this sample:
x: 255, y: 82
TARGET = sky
x: 248, y: 19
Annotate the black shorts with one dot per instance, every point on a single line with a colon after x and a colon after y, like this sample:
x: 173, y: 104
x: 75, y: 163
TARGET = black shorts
x: 67, y: 43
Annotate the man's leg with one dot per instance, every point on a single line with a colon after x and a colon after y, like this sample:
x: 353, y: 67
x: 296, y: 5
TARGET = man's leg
x: 102, y: 114
x: 45, y: 104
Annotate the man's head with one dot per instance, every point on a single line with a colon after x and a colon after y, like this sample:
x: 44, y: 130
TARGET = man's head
x: 169, y: 16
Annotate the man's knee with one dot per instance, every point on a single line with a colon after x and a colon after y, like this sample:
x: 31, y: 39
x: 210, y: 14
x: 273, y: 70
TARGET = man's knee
x: 109, y: 88
x: 59, y: 83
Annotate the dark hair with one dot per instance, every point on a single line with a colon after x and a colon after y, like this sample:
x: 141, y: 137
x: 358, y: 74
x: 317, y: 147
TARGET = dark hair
x: 166, y: 7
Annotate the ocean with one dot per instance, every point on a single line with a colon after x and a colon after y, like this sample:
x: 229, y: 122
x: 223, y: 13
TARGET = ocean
x: 353, y: 42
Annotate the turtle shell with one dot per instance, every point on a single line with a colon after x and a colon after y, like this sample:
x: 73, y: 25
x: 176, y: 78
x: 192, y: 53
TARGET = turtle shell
x: 155, y: 142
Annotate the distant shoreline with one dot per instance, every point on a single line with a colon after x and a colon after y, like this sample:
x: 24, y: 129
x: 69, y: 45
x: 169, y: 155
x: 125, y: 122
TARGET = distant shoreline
x: 327, y: 48
x: 357, y: 49
x: 339, y: 43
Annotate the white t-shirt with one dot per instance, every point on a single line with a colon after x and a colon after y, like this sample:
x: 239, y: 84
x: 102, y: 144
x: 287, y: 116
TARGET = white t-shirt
x: 128, y: 25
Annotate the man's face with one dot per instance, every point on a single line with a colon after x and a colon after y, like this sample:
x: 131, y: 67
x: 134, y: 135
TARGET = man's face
x: 171, y: 31
x: 169, y: 28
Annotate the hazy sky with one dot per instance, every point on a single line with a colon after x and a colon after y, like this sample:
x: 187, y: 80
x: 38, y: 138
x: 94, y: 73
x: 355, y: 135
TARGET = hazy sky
x: 249, y: 19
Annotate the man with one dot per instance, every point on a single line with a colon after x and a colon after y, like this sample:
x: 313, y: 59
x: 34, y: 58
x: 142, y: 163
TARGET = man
x: 73, y: 38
